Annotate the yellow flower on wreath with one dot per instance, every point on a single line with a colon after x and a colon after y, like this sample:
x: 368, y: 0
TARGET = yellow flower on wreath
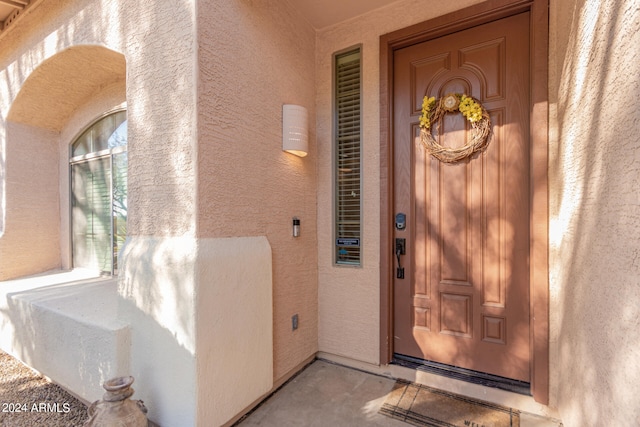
x: 427, y: 105
x: 470, y: 109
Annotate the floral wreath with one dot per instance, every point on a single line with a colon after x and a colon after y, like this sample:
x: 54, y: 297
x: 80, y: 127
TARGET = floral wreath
x: 434, y: 109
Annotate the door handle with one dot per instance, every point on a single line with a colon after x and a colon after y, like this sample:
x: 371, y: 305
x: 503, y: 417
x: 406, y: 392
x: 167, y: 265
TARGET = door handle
x: 401, y: 249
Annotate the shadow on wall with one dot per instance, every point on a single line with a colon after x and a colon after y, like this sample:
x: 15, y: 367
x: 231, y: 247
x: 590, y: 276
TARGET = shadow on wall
x: 156, y: 284
x: 54, y: 91
x: 161, y: 102
x: 43, y: 86
x: 67, y: 330
x: 3, y: 185
x: 595, y: 228
x: 228, y: 324
x: 31, y: 242
x: 80, y: 333
x: 70, y: 69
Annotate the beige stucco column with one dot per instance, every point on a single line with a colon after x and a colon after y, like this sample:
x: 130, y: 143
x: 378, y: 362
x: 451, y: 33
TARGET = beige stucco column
x: 194, y: 290
x: 198, y: 311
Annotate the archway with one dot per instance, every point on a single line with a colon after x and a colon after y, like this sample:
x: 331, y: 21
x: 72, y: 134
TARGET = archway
x: 61, y: 96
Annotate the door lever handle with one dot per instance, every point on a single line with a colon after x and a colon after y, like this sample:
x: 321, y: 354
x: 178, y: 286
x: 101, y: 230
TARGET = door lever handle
x: 401, y: 249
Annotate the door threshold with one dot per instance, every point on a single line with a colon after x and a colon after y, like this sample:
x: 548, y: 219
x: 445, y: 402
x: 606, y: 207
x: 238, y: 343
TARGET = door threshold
x: 462, y: 374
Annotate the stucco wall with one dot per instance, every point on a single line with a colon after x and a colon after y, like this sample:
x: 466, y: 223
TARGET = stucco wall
x: 58, y: 64
x: 30, y: 242
x: 234, y: 326
x: 594, y: 205
x: 206, y: 164
x: 349, y: 298
x: 594, y: 176
x: 162, y: 120
x: 171, y: 270
x: 253, y: 58
x: 46, y: 325
x: 42, y: 84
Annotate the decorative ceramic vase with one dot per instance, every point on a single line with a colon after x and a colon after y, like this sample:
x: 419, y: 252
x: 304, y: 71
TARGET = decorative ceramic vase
x: 116, y: 409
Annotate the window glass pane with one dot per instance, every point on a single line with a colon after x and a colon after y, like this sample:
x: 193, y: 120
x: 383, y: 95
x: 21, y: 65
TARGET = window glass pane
x: 108, y: 132
x: 99, y: 194
x: 118, y: 137
x: 91, y: 214
x: 102, y: 130
x: 82, y: 145
x: 348, y: 156
x: 119, y: 204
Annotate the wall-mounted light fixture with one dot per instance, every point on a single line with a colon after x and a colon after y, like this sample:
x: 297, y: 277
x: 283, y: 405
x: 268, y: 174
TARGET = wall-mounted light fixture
x: 295, y: 130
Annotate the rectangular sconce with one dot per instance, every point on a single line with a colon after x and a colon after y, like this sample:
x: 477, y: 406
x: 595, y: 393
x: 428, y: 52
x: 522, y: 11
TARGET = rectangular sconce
x: 295, y: 130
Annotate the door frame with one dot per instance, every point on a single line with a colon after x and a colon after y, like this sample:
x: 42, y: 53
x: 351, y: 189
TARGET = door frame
x: 538, y: 130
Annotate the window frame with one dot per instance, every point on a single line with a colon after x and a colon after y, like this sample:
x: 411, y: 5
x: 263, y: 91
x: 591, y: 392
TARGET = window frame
x: 355, y: 49
x: 82, y: 158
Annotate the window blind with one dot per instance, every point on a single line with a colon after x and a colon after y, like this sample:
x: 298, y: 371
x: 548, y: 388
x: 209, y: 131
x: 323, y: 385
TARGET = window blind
x: 99, y: 194
x: 119, y: 205
x: 91, y: 214
x: 348, y: 214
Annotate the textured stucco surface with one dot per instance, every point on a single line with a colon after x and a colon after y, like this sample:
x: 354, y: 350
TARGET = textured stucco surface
x: 63, y: 64
x: 69, y: 79
x: 39, y: 128
x: 206, y: 164
x: 217, y: 359
x: 156, y: 283
x: 349, y: 298
x: 30, y: 241
x: 254, y: 57
x: 45, y: 325
x: 234, y: 326
x: 160, y: 89
x: 55, y: 61
x: 594, y: 176
x: 77, y: 56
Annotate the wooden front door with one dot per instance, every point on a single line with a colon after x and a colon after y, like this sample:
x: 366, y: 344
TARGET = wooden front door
x: 464, y: 297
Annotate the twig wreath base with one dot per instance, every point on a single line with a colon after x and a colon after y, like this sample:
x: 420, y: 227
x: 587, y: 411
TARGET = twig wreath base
x: 432, y: 112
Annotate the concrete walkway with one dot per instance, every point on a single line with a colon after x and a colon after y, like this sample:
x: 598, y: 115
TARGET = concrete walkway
x: 323, y: 395
x: 326, y: 394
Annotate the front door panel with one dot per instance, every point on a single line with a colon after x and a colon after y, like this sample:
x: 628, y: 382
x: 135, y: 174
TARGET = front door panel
x: 464, y: 298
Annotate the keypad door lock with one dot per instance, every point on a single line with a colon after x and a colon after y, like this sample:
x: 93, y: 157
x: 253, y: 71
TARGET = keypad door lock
x: 401, y: 221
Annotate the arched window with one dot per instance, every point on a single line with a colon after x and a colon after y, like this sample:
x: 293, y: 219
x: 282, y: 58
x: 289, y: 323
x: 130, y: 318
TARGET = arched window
x: 99, y: 194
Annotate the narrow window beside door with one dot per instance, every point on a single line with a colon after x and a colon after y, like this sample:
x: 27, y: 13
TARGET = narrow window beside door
x: 347, y: 164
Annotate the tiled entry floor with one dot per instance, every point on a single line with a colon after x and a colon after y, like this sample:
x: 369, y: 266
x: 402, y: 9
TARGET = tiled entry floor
x: 325, y: 394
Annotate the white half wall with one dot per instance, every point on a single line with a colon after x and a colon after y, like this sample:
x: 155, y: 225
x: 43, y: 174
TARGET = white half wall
x: 156, y: 282
x: 64, y: 324
x: 234, y: 326
x: 201, y: 319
